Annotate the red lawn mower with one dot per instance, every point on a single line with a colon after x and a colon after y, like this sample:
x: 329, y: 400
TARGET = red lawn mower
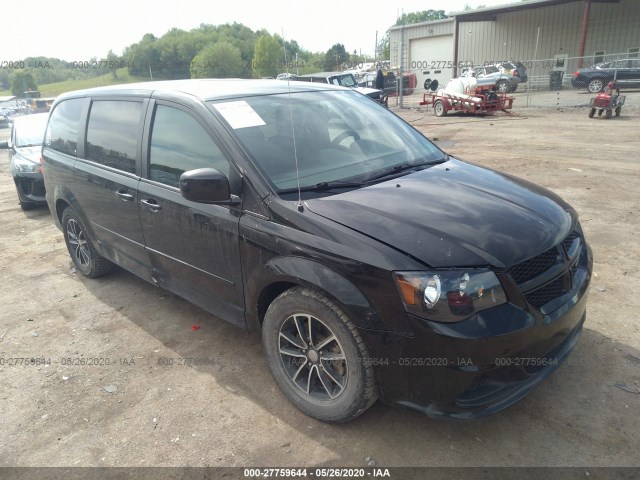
x: 608, y: 101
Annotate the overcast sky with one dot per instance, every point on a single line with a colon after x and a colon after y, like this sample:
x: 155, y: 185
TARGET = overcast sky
x: 77, y: 30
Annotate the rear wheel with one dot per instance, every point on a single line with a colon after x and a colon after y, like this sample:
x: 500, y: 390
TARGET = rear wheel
x: 618, y: 109
x: 608, y: 113
x: 80, y: 248
x: 595, y: 85
x: 439, y: 108
x: 317, y: 356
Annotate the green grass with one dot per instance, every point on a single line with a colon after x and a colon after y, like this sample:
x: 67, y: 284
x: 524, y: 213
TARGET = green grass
x: 55, y: 89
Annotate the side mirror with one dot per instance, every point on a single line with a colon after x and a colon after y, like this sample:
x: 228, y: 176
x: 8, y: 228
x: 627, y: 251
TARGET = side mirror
x: 207, y: 185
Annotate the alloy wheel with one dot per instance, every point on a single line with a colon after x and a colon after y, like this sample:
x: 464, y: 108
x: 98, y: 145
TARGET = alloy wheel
x: 312, y: 357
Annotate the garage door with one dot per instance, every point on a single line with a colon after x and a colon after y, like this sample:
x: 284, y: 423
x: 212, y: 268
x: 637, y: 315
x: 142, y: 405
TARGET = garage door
x: 432, y: 58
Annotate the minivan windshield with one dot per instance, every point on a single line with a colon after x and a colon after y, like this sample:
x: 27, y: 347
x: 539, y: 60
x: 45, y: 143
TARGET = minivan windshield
x: 339, y: 137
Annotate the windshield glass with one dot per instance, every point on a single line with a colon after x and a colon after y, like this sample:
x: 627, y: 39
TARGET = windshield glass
x: 29, y: 130
x: 339, y: 136
x: 344, y: 80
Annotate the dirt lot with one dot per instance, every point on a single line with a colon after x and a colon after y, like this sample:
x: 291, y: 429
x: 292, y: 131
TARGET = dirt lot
x: 136, y: 412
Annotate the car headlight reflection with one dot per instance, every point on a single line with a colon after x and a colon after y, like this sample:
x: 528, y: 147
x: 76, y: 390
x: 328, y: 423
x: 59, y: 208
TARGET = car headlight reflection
x: 449, y: 296
x: 25, y: 166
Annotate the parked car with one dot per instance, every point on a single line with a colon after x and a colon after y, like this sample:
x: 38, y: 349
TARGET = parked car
x: 368, y: 80
x: 373, y: 264
x: 595, y: 78
x: 24, y: 147
x: 516, y: 74
x: 344, y: 79
x: 4, y: 120
x: 522, y: 71
x: 493, y: 75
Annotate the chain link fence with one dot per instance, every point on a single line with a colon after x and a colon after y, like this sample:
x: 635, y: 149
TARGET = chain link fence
x: 545, y: 83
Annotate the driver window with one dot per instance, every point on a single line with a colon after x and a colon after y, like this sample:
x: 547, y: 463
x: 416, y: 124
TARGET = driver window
x: 178, y: 144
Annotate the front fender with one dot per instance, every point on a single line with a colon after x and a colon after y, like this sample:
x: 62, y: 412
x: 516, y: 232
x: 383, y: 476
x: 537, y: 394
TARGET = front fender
x: 294, y: 270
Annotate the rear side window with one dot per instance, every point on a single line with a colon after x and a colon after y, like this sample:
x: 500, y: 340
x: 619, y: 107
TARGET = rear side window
x: 179, y: 144
x: 112, y: 134
x: 63, y: 127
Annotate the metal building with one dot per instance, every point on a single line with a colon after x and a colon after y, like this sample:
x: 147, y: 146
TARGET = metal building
x: 560, y: 35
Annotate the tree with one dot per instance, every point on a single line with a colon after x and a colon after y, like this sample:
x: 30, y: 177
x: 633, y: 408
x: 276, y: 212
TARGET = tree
x: 335, y: 57
x: 268, y: 56
x: 112, y: 63
x: 418, y: 17
x: 219, y: 60
x: 384, y: 47
x: 23, y: 81
x: 5, y: 82
x: 143, y: 57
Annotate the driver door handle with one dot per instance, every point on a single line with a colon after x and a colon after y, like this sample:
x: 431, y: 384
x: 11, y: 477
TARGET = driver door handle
x: 124, y: 195
x: 151, y: 204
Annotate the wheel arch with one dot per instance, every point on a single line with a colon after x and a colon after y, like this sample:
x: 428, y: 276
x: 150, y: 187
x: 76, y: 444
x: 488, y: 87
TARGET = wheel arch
x: 290, y: 272
x: 63, y: 199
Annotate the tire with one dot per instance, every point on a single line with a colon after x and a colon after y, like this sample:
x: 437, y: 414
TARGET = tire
x: 503, y: 86
x: 513, y: 88
x: 80, y: 248
x: 600, y: 112
x: 618, y: 109
x: 595, y: 85
x: 608, y: 113
x: 440, y: 109
x: 592, y: 112
x: 328, y: 376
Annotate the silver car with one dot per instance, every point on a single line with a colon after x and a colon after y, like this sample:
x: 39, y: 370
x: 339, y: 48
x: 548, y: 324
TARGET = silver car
x: 25, y: 145
x: 496, y: 75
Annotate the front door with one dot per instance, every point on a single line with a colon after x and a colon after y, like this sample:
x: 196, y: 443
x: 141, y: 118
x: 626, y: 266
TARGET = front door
x: 193, y: 247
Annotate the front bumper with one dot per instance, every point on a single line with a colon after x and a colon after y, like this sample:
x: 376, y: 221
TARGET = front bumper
x: 30, y: 187
x: 482, y: 365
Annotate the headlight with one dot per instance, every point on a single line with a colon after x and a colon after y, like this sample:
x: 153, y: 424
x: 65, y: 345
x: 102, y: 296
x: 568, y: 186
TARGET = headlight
x: 451, y: 295
x: 25, y: 166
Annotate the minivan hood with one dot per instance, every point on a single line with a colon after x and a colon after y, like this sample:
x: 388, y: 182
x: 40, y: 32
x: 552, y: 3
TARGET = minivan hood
x: 454, y: 215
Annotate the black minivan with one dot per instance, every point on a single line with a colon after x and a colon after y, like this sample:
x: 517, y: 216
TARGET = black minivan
x: 373, y: 264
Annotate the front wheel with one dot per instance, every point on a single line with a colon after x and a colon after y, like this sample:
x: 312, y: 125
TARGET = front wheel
x: 439, y: 108
x: 608, y: 113
x: 503, y: 86
x: 618, y: 109
x: 592, y: 112
x: 80, y: 248
x: 317, y: 356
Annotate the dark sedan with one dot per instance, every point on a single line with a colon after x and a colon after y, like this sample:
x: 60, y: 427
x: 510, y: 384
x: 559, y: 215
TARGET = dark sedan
x: 25, y: 144
x: 595, y: 78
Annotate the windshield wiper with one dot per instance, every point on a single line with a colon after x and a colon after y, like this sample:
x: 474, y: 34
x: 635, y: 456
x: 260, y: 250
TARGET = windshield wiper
x: 398, y: 169
x: 322, y: 186
x: 29, y: 145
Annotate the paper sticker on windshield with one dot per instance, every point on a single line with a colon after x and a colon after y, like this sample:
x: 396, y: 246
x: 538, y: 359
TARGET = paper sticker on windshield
x: 239, y: 114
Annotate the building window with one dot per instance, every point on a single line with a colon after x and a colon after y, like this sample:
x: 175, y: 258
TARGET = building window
x: 598, y: 56
x: 634, y: 53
